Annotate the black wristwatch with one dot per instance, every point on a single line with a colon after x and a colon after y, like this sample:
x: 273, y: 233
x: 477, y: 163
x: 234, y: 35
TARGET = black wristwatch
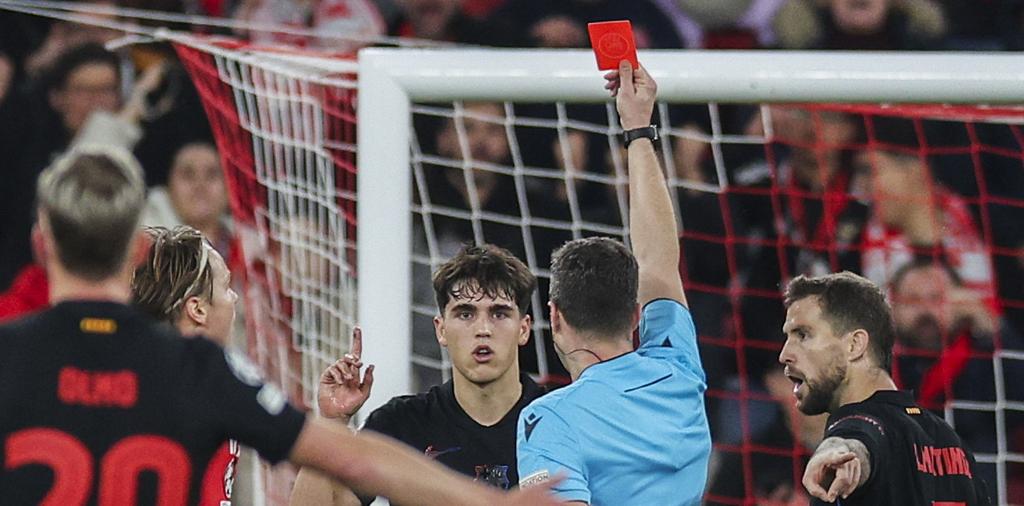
x: 647, y: 132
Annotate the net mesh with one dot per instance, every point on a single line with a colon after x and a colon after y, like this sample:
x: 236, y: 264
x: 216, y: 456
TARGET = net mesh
x: 764, y: 193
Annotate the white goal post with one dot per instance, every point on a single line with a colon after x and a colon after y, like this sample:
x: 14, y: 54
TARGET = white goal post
x: 390, y: 80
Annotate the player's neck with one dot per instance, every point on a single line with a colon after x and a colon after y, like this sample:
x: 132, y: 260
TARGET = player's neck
x: 488, y: 403
x: 594, y: 351
x: 864, y: 385
x: 65, y: 286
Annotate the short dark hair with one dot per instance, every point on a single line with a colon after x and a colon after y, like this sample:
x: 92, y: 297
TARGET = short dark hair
x: 850, y: 302
x: 92, y: 198
x: 594, y: 283
x: 489, y: 271
x: 56, y: 77
x: 177, y: 267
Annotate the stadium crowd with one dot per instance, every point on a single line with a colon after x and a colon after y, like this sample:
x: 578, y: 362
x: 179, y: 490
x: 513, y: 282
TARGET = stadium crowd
x: 836, y: 188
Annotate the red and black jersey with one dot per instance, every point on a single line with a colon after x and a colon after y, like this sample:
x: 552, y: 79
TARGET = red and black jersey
x: 916, y: 458
x: 101, y: 406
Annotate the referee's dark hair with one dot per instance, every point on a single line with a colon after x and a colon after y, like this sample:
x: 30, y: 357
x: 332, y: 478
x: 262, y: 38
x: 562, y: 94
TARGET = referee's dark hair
x: 850, y: 302
x: 594, y: 283
x: 484, y: 270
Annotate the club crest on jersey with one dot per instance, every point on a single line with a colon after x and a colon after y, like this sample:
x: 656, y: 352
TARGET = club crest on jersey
x: 493, y: 475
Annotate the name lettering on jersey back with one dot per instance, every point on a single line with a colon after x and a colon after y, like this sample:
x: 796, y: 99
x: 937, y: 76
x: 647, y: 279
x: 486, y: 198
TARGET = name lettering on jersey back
x: 98, y: 389
x: 942, y: 461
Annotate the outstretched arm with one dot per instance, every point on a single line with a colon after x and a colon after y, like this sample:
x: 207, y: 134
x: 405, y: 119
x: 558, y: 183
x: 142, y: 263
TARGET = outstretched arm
x: 837, y: 468
x: 652, y: 222
x: 376, y: 465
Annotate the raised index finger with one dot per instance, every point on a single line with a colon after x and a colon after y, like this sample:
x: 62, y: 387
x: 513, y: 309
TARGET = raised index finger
x: 357, y: 343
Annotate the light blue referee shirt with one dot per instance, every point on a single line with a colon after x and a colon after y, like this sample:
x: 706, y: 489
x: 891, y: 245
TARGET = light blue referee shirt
x: 631, y: 430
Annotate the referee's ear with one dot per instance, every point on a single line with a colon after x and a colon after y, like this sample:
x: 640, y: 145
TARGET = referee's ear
x: 555, y: 318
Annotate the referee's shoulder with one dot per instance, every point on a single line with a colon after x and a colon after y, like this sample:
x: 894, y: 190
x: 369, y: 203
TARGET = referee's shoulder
x: 568, y: 397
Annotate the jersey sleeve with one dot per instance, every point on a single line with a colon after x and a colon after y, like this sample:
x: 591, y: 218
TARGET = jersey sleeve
x: 546, y: 447
x: 867, y: 429
x: 229, y: 390
x: 667, y: 324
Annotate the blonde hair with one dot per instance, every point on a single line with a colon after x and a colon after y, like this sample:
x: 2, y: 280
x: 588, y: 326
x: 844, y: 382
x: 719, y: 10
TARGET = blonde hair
x: 92, y: 198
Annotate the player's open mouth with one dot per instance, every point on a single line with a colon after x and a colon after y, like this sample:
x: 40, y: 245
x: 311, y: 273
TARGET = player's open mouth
x: 483, y: 353
x: 797, y: 382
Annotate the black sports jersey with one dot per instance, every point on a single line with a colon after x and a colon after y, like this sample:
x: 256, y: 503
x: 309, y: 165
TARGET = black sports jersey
x: 916, y: 458
x: 435, y: 424
x: 101, y: 406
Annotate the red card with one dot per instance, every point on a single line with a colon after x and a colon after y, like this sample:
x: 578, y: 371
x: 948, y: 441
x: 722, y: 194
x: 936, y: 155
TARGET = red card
x: 613, y: 42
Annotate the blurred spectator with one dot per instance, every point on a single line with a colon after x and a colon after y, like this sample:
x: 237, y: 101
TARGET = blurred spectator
x: 779, y: 455
x: 446, y: 20
x: 195, y: 195
x: 215, y: 8
x: 724, y: 24
x: 481, y: 9
x: 984, y: 25
x: 64, y: 36
x: 20, y: 35
x: 945, y: 339
x: 912, y: 214
x: 861, y: 24
x: 79, y: 101
x: 174, y: 117
x: 822, y: 218
x: 563, y: 24
x: 812, y: 227
x: 343, y: 25
x: 480, y: 185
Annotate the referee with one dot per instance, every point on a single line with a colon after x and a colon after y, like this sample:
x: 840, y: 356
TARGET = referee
x: 631, y: 429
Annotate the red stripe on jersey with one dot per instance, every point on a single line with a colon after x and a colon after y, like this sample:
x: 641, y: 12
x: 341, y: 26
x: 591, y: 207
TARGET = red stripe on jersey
x: 219, y: 479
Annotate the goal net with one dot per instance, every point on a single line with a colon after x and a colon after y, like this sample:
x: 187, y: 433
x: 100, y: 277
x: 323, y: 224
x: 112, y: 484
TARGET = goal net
x: 521, y: 149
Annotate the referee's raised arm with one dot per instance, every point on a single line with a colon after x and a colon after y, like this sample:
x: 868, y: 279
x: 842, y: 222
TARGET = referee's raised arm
x: 652, y: 223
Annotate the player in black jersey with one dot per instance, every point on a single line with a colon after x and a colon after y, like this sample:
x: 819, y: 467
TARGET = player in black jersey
x: 879, y: 446
x: 184, y: 282
x: 100, y: 405
x: 468, y: 423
